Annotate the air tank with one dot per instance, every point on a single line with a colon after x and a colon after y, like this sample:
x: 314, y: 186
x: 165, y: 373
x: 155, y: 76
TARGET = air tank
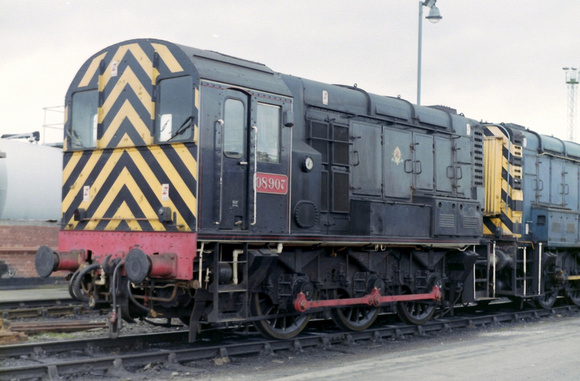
x: 3, y: 180
x: 30, y: 181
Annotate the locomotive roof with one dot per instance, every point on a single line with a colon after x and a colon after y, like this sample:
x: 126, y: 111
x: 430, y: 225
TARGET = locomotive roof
x: 220, y: 67
x: 217, y: 67
x: 547, y: 144
x: 203, y: 64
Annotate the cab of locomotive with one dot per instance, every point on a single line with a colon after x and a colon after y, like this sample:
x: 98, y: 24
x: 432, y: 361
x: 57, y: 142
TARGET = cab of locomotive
x: 145, y: 141
x: 129, y: 206
x: 131, y: 112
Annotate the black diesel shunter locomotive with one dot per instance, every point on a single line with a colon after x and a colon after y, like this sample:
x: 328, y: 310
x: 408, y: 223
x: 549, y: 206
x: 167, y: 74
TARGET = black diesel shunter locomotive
x: 212, y: 189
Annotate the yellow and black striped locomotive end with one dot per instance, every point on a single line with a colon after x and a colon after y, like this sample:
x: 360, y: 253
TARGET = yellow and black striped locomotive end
x: 503, y: 183
x: 119, y: 175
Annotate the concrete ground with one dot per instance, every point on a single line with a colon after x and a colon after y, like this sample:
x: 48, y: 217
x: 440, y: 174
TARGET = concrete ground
x: 31, y: 294
x: 547, y: 349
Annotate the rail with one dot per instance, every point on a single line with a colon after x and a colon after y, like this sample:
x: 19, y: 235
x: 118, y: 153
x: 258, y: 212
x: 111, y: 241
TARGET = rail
x: 91, y: 362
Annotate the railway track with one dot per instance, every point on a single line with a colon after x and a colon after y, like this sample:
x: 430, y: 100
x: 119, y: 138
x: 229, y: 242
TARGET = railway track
x: 55, y: 326
x: 90, y: 356
x: 19, y: 319
x: 41, y: 308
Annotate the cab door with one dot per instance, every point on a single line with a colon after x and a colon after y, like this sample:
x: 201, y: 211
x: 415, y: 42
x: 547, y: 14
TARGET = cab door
x: 271, y: 151
x: 252, y: 150
x: 232, y: 166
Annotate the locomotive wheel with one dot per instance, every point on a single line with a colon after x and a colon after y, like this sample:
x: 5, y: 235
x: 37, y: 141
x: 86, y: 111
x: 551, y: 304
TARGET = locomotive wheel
x: 355, y: 318
x: 416, y: 313
x: 572, y: 292
x: 547, y: 300
x: 282, y: 324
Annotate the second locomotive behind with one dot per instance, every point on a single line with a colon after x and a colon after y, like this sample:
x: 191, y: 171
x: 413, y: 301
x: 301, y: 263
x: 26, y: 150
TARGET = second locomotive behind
x: 212, y: 189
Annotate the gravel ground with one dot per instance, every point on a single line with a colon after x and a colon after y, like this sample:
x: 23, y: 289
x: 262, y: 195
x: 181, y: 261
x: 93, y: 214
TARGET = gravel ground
x: 127, y: 329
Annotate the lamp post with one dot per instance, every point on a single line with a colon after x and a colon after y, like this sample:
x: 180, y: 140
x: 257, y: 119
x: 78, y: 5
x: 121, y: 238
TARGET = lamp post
x: 572, y: 82
x: 434, y: 16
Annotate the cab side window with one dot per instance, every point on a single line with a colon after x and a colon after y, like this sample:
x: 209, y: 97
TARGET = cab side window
x: 268, y: 146
x: 234, y: 120
x: 83, y: 130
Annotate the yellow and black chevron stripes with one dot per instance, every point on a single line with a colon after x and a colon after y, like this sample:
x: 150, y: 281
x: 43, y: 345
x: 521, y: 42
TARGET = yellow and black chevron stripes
x: 89, y: 74
x: 126, y: 76
x: 169, y: 59
x: 143, y: 59
x: 503, y: 178
x: 126, y: 179
x: 118, y: 137
x: 123, y: 189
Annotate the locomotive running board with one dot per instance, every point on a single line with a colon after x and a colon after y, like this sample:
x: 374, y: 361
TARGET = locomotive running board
x: 373, y: 299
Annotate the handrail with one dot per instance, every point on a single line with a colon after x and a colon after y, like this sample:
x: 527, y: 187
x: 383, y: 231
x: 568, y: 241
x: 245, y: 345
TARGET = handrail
x: 255, y: 175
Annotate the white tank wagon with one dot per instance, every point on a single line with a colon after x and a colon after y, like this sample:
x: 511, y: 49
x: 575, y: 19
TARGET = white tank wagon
x: 30, y: 181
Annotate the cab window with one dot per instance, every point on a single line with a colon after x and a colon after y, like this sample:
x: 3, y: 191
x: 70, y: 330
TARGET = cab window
x: 174, y: 120
x: 268, y: 133
x: 234, y: 116
x: 83, y: 130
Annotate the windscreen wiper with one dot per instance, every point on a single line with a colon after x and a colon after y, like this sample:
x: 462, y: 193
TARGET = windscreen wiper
x: 74, y: 135
x: 184, y: 127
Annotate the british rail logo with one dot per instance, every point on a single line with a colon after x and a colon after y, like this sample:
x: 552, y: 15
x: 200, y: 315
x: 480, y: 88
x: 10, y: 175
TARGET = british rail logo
x: 397, y: 156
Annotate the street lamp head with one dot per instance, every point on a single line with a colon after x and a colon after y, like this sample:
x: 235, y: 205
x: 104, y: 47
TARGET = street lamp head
x: 434, y: 15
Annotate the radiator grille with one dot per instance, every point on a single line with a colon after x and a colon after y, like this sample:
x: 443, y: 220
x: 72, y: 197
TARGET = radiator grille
x: 446, y: 220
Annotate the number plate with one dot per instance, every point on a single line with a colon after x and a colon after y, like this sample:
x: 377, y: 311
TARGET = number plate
x: 271, y: 183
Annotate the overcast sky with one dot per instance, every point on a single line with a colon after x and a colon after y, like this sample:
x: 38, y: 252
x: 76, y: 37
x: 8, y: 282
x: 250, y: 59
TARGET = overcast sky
x: 493, y: 60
